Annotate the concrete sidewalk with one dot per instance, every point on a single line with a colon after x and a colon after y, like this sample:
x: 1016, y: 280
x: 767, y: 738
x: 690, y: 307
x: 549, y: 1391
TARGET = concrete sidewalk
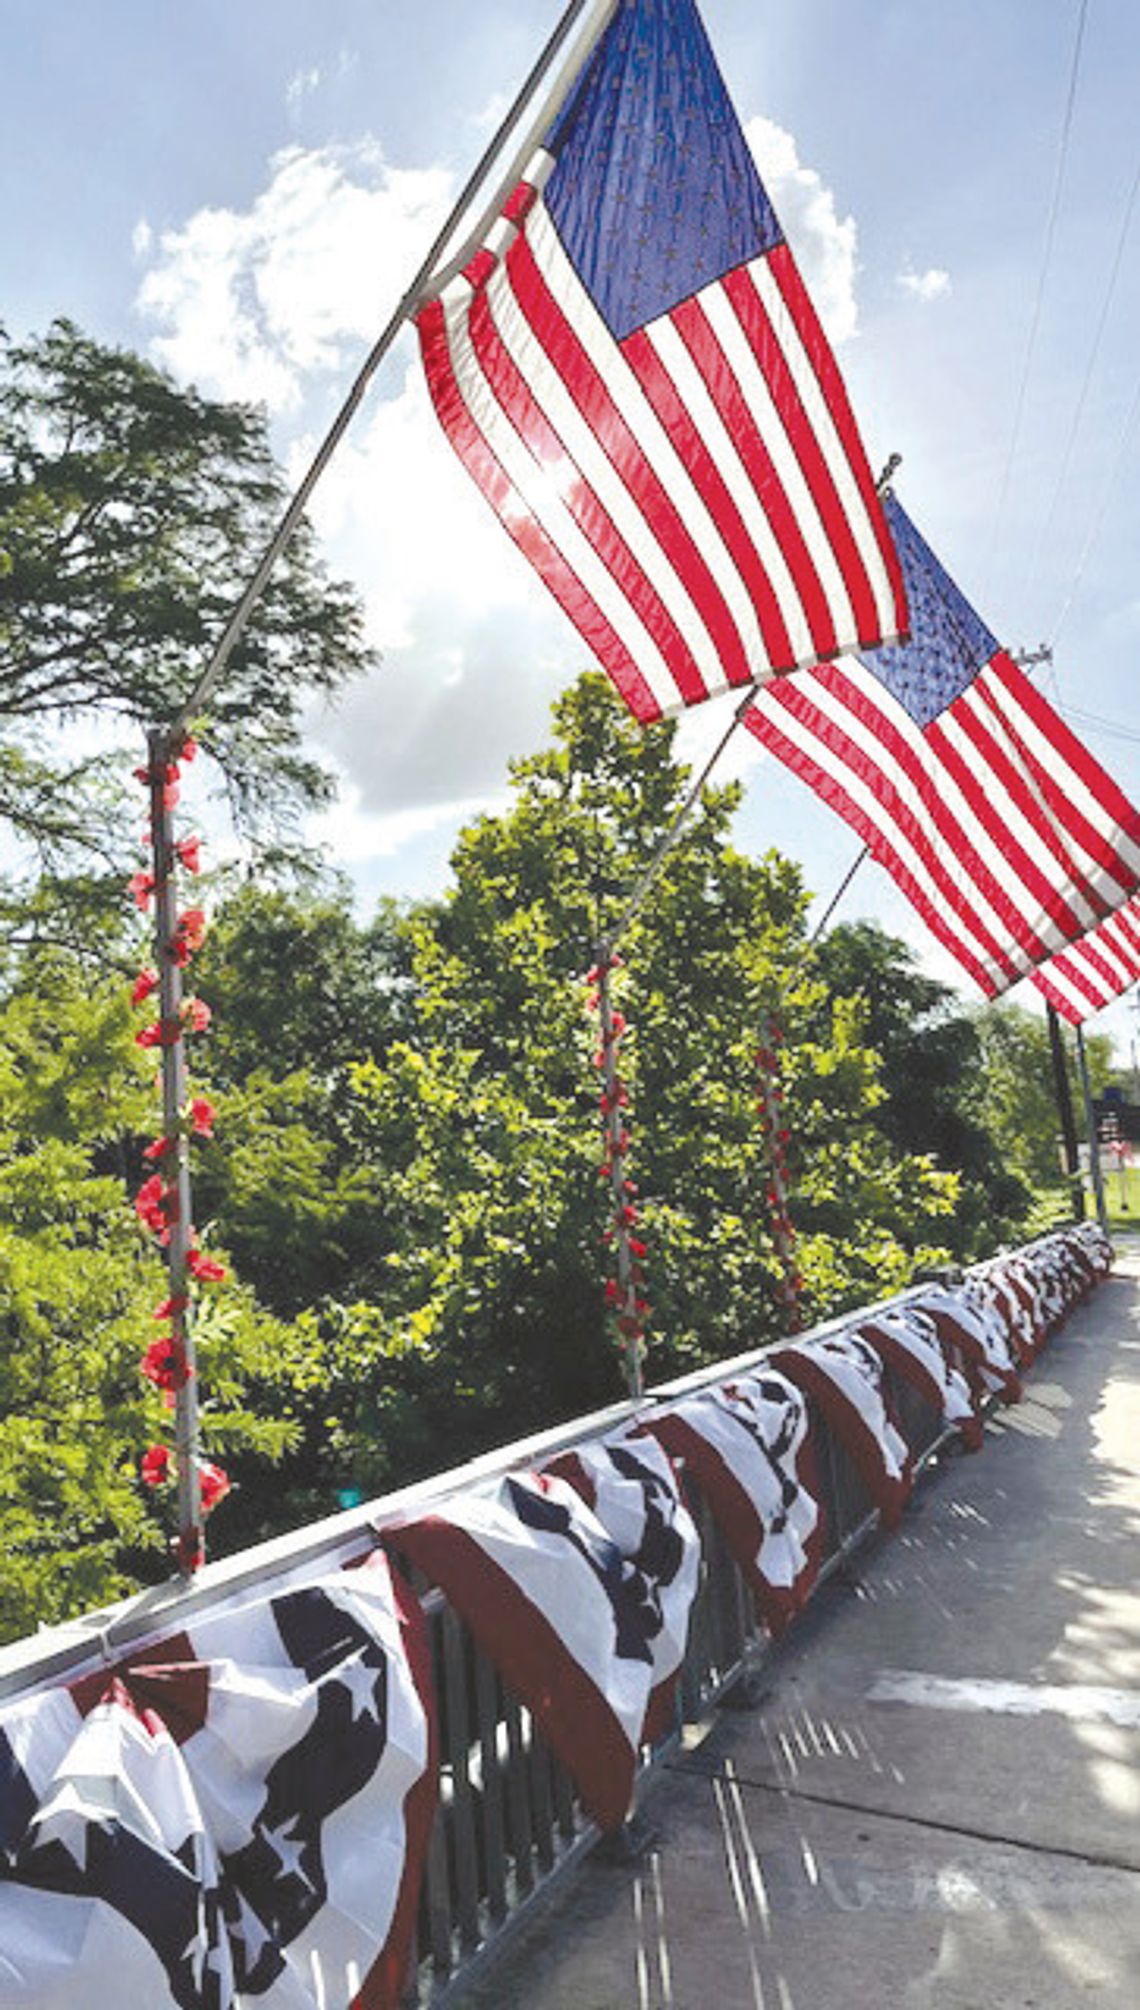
x: 936, y: 1802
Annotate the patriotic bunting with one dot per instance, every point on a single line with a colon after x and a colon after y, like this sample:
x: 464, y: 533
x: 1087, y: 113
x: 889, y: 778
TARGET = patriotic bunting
x: 907, y: 1340
x: 748, y: 1448
x: 548, y: 1596
x: 1008, y: 838
x: 630, y: 1484
x: 845, y: 1377
x: 632, y: 372
x: 237, y: 1814
x: 990, y: 1287
x: 976, y: 1339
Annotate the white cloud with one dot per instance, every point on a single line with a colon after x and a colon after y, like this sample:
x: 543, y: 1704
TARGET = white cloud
x: 823, y: 241
x: 933, y: 284
x: 142, y: 239
x: 301, y: 85
x: 280, y: 301
x: 351, y: 835
x: 253, y: 304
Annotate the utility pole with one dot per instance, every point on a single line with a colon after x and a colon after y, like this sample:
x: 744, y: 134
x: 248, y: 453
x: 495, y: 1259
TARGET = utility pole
x: 1065, y: 1111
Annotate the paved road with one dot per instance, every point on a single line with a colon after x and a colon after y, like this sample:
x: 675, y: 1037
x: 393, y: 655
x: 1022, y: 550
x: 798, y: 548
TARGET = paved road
x: 936, y: 1805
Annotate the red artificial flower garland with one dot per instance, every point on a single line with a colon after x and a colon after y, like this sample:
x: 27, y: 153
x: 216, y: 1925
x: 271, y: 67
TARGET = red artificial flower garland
x: 624, y: 1290
x: 164, y: 1362
x: 770, y: 1107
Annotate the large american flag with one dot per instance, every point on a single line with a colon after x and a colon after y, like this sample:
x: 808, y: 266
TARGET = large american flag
x: 1100, y: 967
x: 632, y: 371
x: 997, y: 823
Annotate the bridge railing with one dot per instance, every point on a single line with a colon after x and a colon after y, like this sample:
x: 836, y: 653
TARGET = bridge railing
x: 509, y: 1820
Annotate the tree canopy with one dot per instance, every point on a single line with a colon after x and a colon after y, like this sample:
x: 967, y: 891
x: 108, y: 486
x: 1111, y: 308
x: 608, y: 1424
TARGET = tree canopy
x: 405, y: 1176
x: 132, y: 512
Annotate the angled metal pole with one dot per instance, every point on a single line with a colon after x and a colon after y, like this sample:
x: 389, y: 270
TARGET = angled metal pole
x: 597, y: 13
x: 636, y: 901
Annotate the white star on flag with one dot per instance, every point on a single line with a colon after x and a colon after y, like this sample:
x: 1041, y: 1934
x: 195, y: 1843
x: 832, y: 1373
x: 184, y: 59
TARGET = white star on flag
x: 360, y: 1681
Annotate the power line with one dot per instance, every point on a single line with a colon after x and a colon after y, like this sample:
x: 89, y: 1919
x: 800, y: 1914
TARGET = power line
x: 1078, y: 414
x: 1046, y: 259
x: 1113, y: 729
x: 1099, y: 519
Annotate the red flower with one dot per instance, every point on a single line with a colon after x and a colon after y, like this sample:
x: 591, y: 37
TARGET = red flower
x: 160, y: 1149
x: 163, y: 1033
x: 157, y: 1205
x: 196, y: 1015
x: 206, y: 1268
x: 617, y: 1024
x: 155, y: 1466
x: 171, y: 1307
x: 637, y: 1248
x: 202, y: 1114
x: 189, y: 851
x: 145, y: 983
x: 190, y: 930
x: 188, y: 749
x: 164, y: 1363
x: 148, y: 1201
x: 213, y: 1485
x: 140, y: 886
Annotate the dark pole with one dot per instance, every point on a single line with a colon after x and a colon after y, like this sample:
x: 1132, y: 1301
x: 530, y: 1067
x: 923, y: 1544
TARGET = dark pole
x: 1090, y: 1126
x: 1065, y: 1110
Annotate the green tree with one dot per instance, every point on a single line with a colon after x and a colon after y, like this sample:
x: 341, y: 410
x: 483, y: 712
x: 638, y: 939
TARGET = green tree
x: 938, y: 1096
x: 1018, y: 1087
x: 79, y: 1280
x: 480, y: 1313
x: 132, y: 513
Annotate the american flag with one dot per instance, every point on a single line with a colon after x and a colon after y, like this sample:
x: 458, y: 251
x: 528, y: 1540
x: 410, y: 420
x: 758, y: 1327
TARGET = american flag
x: 237, y: 1814
x: 1008, y: 837
x: 1100, y: 967
x: 633, y: 373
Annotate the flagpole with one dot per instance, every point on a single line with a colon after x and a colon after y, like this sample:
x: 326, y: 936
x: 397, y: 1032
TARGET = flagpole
x: 1090, y: 1126
x: 599, y: 13
x: 609, y: 941
x: 1065, y: 1109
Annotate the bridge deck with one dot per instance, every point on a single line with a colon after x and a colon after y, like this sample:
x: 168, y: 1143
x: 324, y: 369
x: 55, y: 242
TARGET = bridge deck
x: 936, y: 1802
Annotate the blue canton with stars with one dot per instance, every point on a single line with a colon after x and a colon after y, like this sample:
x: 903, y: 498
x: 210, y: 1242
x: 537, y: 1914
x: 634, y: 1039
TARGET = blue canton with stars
x: 649, y: 134
x: 948, y: 644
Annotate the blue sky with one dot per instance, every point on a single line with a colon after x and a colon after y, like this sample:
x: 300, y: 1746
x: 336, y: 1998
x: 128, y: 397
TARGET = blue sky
x: 241, y: 189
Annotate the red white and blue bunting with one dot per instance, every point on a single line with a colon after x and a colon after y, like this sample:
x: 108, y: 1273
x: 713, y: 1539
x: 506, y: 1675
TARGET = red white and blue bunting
x: 240, y: 1812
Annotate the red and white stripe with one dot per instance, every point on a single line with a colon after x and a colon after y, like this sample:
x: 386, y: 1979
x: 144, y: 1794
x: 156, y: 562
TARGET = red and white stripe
x: 1100, y: 967
x: 697, y: 498
x: 1007, y: 837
